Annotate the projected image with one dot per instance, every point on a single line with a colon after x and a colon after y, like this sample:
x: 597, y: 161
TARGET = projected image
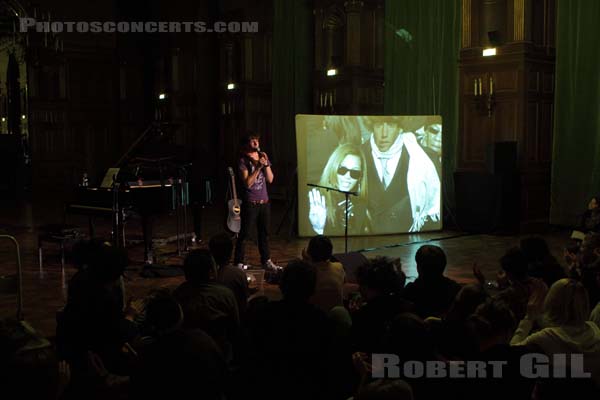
x: 390, y: 167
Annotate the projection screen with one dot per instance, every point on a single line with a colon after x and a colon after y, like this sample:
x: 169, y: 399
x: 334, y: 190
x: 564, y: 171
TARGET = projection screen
x: 391, y: 165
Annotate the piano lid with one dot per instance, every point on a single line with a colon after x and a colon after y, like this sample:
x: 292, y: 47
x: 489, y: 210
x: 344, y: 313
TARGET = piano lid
x: 153, y: 155
x: 154, y: 145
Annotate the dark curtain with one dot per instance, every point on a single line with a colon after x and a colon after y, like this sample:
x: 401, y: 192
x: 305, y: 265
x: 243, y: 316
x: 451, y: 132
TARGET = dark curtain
x: 293, y: 37
x: 576, y: 152
x: 422, y: 41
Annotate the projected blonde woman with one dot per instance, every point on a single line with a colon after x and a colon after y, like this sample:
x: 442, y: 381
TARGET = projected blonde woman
x: 345, y: 170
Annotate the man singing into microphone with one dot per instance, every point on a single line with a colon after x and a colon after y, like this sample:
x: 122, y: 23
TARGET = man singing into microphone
x: 255, y: 172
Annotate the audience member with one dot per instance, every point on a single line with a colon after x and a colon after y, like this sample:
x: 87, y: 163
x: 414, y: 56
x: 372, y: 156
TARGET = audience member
x: 292, y: 341
x: 450, y: 333
x: 515, y: 280
x: 565, y: 311
x: 492, y: 326
x: 432, y: 292
x: 329, y: 290
x: 588, y: 266
x: 385, y: 389
x: 176, y: 363
x: 95, y: 319
x: 206, y: 304
x: 540, y: 262
x: 380, y: 283
x: 590, y: 220
x: 221, y: 248
x: 409, y: 338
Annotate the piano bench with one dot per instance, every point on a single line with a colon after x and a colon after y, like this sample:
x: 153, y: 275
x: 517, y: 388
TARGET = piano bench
x: 60, y: 234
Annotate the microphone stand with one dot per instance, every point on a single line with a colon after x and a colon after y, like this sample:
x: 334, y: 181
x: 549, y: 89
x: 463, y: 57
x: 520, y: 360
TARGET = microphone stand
x: 347, y: 194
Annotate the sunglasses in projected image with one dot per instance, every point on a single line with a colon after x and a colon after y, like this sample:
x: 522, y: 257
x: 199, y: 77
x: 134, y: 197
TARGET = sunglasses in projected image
x: 354, y: 173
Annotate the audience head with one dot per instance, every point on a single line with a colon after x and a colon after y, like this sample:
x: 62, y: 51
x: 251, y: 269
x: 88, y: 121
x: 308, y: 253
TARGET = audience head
x: 221, y: 248
x: 535, y: 249
x: 199, y: 266
x: 466, y: 302
x: 163, y: 313
x: 298, y: 281
x: 320, y: 248
x: 431, y: 262
x: 594, y: 203
x: 381, y: 276
x: 514, y: 263
x: 567, y: 303
x: 493, y: 323
x: 590, y: 249
x: 108, y: 264
x: 85, y: 251
x: 385, y: 389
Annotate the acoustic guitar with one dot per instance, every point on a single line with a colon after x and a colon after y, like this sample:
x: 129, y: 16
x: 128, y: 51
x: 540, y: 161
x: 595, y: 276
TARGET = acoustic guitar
x: 233, y: 218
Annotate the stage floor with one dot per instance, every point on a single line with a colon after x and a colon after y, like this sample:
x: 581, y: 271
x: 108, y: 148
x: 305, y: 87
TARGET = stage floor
x: 44, y: 289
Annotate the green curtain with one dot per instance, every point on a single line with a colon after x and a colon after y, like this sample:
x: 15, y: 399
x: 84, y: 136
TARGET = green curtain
x: 576, y: 151
x: 422, y: 41
x: 293, y: 37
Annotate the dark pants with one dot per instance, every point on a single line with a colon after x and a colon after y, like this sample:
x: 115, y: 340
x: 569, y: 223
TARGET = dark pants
x: 259, y: 216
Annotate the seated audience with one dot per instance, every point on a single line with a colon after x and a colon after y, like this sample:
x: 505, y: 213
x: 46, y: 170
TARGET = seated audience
x: 540, y: 263
x: 515, y: 281
x: 590, y: 220
x: 291, y: 342
x: 451, y: 333
x: 221, y: 248
x: 432, y: 293
x: 95, y: 319
x: 380, y: 284
x: 588, y: 266
x: 565, y: 311
x: 492, y: 326
x: 176, y: 363
x: 207, y: 304
x: 385, y: 389
x: 329, y: 290
x: 409, y: 338
x: 595, y: 314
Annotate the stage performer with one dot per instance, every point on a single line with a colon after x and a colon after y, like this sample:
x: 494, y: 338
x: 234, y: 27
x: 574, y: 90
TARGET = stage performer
x: 255, y: 172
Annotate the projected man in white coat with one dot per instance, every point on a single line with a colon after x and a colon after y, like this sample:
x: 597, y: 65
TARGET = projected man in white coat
x: 404, y: 186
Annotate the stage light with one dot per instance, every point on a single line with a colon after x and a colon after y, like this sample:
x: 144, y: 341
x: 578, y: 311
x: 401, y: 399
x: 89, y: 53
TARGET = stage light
x: 332, y: 72
x: 162, y: 96
x: 3, y: 119
x: 23, y: 116
x: 489, y: 52
x: 230, y: 86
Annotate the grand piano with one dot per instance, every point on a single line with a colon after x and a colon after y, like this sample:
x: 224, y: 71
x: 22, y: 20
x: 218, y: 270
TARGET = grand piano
x: 148, y: 180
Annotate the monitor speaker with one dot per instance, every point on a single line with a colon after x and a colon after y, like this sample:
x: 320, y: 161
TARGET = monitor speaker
x: 351, y: 262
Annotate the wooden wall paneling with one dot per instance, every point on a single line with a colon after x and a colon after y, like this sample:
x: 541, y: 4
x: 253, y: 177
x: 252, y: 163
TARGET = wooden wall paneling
x: 546, y: 132
x: 356, y: 31
x: 523, y: 75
